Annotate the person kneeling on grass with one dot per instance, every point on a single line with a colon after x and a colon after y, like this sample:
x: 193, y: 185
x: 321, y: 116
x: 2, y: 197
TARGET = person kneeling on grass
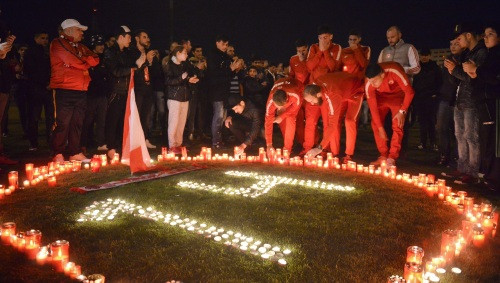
x: 244, y: 122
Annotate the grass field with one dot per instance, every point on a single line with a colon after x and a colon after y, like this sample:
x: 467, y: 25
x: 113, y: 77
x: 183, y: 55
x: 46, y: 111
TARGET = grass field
x: 334, y: 236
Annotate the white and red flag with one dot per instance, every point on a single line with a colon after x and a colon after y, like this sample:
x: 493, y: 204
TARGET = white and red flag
x: 134, y: 152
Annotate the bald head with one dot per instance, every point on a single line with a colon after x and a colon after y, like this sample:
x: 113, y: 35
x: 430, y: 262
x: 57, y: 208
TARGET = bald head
x: 393, y: 35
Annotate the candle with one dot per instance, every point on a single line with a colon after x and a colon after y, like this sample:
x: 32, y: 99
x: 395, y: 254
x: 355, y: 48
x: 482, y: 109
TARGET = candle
x: 438, y: 261
x: 52, y: 181
x: 430, y: 267
x: 68, y: 267
x: 478, y: 237
x: 2, y: 192
x: 413, y: 273
x: 77, y: 165
x: 33, y: 240
x: 468, y: 204
x: 414, y: 254
x: 462, y: 195
x: 75, y: 272
x: 467, y: 231
x: 395, y: 279
x: 360, y: 167
x: 20, y: 242
x: 104, y: 160
x: 184, y: 152
x: 8, y: 191
x: 164, y: 151
x: 160, y: 158
x: 8, y: 229
x: 95, y: 164
x: 431, y: 178
x: 487, y: 223
x: 29, y: 171
x: 13, y: 177
x: 42, y: 255
x: 486, y: 207
x: 86, y: 166
x: 448, y: 245
x: 60, y: 254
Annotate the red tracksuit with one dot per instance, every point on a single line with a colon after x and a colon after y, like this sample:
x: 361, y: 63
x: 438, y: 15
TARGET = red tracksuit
x: 299, y: 71
x: 394, y: 94
x: 354, y: 61
x: 318, y: 63
x: 288, y: 113
x: 337, y: 89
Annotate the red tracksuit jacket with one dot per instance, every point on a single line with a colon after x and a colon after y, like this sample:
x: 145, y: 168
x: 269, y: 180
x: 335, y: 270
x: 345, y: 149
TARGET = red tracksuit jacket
x: 322, y: 62
x: 337, y: 87
x: 395, y: 86
x: 293, y: 89
x: 298, y: 69
x: 354, y: 61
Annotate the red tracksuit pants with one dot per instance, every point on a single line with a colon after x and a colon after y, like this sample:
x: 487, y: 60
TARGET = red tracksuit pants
x: 312, y: 113
x: 348, y: 108
x: 287, y: 127
x: 386, y: 104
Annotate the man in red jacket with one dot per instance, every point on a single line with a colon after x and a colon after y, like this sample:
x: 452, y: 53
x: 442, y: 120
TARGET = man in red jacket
x: 354, y: 60
x: 388, y: 89
x: 330, y: 92
x: 70, y: 79
x: 282, y: 107
x: 323, y: 57
x: 299, y: 71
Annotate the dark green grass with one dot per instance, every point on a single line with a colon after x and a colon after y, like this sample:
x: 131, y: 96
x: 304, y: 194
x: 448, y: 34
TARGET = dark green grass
x: 358, y: 236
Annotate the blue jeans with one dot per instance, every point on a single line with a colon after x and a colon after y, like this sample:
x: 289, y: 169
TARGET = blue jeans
x: 467, y: 134
x: 218, y: 118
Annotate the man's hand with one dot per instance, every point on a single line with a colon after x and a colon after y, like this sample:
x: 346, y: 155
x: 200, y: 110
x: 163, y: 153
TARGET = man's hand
x: 314, y: 151
x: 353, y: 46
x: 241, y: 148
x: 150, y: 56
x: 269, y: 149
x: 278, y: 120
x: 236, y: 65
x: 202, y: 65
x: 470, y: 68
x: 400, y: 118
x: 450, y: 65
x: 381, y: 133
x: 228, y: 122
x: 193, y: 80
x: 184, y: 75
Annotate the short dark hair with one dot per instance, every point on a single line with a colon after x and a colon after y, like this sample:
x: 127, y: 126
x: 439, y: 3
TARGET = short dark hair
x: 300, y: 43
x: 280, y: 97
x: 40, y: 32
x: 196, y: 47
x: 324, y: 29
x: 233, y: 100
x: 221, y: 37
x: 373, y: 70
x: 355, y: 32
x: 139, y: 31
x: 425, y: 51
x: 312, y: 89
x: 184, y: 40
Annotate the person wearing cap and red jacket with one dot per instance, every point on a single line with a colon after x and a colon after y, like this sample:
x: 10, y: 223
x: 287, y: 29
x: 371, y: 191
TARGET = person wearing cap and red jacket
x: 323, y: 57
x: 70, y: 79
x: 388, y: 89
x: 354, y: 60
x: 330, y: 92
x: 282, y: 107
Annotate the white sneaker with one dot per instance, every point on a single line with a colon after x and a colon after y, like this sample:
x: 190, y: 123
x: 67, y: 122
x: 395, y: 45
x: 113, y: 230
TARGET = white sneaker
x: 78, y: 157
x: 102, y: 147
x: 391, y: 162
x: 58, y: 158
x: 149, y: 145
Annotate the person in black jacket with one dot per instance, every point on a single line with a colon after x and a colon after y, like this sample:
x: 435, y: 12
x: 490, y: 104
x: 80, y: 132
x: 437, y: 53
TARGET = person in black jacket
x: 142, y: 80
x: 254, y: 89
x: 444, y: 121
x: 488, y: 75
x: 37, y: 73
x: 119, y: 62
x: 426, y: 84
x: 246, y: 121
x: 220, y: 68
x: 178, y: 76
x: 96, y: 99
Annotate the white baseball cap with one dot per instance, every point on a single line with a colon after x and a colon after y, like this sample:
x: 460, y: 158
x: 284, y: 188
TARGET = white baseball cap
x: 72, y: 23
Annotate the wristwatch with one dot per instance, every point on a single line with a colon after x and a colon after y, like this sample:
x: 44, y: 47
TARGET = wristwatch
x: 402, y: 111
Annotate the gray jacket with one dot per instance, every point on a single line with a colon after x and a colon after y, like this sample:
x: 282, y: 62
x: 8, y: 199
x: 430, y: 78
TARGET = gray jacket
x: 403, y: 53
x: 468, y: 92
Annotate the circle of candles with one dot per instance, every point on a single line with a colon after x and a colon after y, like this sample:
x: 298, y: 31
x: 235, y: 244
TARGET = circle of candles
x: 8, y: 229
x: 414, y: 254
x: 33, y: 240
x: 60, y: 254
x: 13, y: 179
x: 413, y: 272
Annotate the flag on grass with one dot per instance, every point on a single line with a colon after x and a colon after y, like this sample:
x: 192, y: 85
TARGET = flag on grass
x: 135, y: 153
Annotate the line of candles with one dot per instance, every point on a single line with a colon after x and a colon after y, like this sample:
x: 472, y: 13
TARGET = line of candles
x: 30, y: 243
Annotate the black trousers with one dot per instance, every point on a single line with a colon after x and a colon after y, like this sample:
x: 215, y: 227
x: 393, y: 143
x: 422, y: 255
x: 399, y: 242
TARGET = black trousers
x: 114, y: 120
x: 95, y: 114
x: 21, y: 96
x: 490, y: 164
x: 195, y: 115
x: 144, y: 100
x: 70, y: 111
x: 39, y: 97
x: 426, y: 113
x: 240, y: 127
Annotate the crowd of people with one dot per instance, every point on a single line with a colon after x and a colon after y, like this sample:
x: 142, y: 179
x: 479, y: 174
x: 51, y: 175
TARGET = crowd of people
x: 83, y: 92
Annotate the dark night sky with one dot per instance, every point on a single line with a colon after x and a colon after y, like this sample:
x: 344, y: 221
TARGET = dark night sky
x: 265, y: 28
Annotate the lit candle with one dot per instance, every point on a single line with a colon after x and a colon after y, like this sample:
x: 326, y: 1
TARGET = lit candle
x: 431, y: 178
x: 68, y: 267
x: 60, y: 254
x: 20, y: 242
x: 467, y: 231
x: 448, y: 245
x: 104, y: 160
x: 13, y: 177
x: 33, y: 241
x: 478, y: 237
x: 75, y: 272
x: 8, y: 229
x: 413, y: 273
x: 42, y: 255
x: 29, y: 171
x: 438, y: 261
x: 486, y: 207
x: 487, y: 223
x: 2, y: 191
x: 52, y: 181
x: 164, y: 151
x: 414, y: 254
x: 95, y: 164
x: 430, y: 267
x: 8, y: 191
x: 360, y: 167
